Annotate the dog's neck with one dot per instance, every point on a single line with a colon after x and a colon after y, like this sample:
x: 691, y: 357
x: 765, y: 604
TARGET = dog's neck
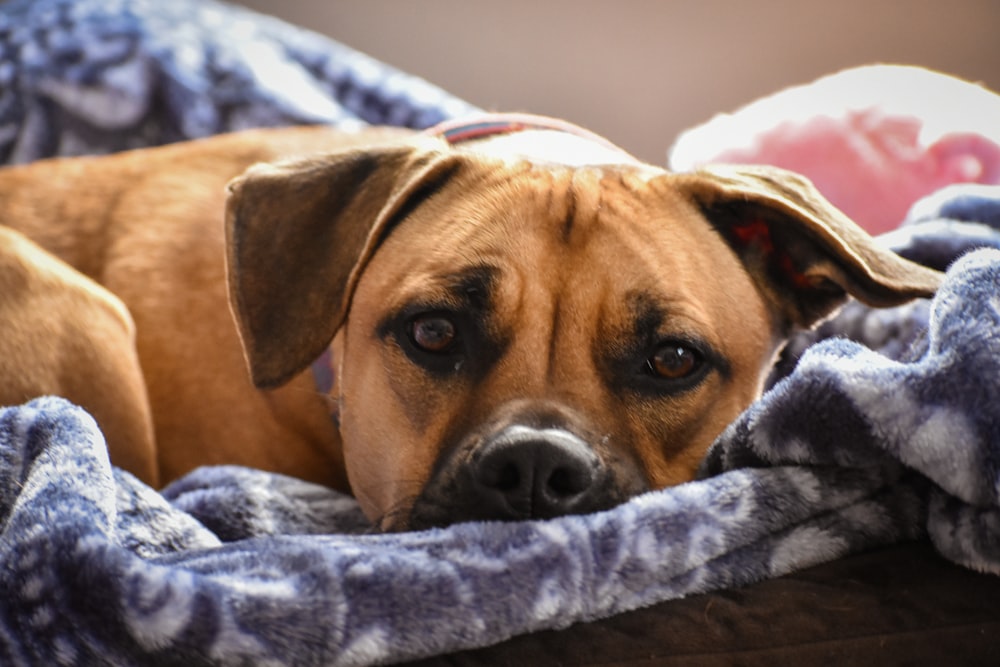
x: 529, y: 137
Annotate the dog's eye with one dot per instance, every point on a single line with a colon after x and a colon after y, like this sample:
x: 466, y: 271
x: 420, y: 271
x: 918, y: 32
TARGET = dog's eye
x: 433, y: 333
x: 674, y: 361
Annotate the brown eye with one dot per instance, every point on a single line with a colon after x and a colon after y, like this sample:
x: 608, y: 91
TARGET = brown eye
x: 433, y: 333
x: 674, y: 362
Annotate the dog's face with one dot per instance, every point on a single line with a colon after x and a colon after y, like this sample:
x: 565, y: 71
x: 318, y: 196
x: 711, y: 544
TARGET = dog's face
x: 546, y: 342
x: 519, y: 340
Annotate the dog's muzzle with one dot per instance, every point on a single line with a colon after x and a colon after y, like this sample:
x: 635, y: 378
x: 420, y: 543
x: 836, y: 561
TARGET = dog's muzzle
x: 540, y: 473
x: 518, y: 472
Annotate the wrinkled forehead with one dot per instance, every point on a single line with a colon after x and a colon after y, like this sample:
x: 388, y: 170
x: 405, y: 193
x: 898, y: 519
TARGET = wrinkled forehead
x: 488, y: 204
x: 596, y: 233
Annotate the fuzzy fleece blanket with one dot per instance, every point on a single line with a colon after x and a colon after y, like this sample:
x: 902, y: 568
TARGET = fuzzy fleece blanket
x: 84, y: 77
x: 881, y: 426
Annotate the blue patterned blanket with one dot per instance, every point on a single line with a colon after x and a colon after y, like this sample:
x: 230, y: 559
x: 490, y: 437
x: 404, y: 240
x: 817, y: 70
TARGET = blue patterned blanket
x: 881, y: 426
x: 84, y: 77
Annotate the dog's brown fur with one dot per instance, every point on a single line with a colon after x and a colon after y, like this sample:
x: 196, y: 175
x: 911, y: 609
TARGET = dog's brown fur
x: 564, y: 280
x: 148, y: 226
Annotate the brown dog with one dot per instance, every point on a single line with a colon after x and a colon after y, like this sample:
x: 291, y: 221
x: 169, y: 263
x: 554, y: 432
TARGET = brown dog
x: 522, y: 324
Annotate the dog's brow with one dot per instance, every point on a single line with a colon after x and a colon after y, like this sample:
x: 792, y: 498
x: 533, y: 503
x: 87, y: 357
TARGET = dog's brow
x: 472, y: 285
x: 470, y: 288
x: 651, y: 316
x: 648, y: 314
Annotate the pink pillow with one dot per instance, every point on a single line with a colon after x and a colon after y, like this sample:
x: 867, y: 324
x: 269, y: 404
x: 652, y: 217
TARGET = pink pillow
x: 873, y: 139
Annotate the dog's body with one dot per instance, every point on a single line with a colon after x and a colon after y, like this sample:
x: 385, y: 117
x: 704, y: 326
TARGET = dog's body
x: 147, y: 225
x: 523, y: 325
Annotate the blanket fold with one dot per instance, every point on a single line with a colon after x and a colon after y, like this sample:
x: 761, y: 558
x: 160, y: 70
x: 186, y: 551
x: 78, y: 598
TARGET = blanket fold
x: 107, y: 571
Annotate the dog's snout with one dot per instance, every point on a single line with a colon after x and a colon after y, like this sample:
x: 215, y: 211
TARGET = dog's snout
x: 534, y: 470
x: 540, y: 473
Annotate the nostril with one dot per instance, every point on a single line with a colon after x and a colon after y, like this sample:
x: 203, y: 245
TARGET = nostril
x: 560, y: 481
x: 566, y: 482
x: 508, y: 477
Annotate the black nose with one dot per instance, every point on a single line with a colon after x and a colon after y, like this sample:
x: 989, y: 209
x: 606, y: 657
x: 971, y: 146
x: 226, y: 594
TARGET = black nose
x: 535, y: 473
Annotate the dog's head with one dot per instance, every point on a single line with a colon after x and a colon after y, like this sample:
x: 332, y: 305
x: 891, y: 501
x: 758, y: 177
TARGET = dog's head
x: 522, y: 340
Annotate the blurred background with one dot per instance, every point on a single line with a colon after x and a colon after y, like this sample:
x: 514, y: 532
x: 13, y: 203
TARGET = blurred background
x: 640, y: 71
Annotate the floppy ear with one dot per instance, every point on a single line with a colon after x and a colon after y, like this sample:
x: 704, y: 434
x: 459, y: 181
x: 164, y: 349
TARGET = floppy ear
x: 297, y: 236
x: 805, y: 255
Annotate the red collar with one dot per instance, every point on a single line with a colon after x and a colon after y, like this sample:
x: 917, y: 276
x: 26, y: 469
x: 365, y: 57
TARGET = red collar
x: 484, y: 125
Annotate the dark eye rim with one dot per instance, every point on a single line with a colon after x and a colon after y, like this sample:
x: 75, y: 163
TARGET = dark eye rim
x: 648, y: 381
x: 412, y: 335
x: 697, y: 359
x: 442, y: 363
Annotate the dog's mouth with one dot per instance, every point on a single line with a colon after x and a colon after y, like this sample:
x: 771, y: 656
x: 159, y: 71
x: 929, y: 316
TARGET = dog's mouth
x: 520, y: 472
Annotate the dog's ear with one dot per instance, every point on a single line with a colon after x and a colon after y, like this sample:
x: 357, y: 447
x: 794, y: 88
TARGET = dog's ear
x: 805, y: 255
x: 298, y: 235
